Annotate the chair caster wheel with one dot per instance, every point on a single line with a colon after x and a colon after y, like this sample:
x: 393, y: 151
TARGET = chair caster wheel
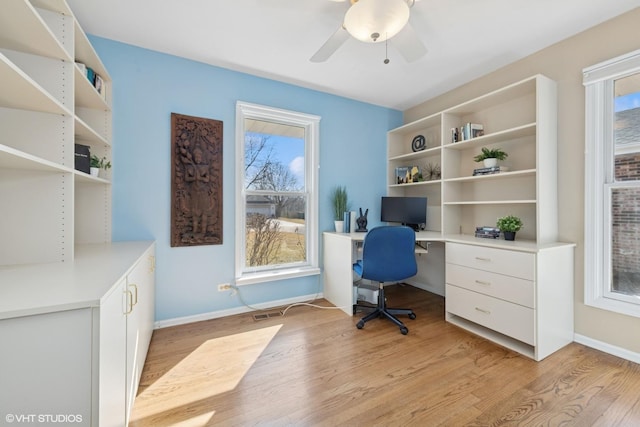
x: 412, y: 316
x: 404, y: 331
x: 360, y: 325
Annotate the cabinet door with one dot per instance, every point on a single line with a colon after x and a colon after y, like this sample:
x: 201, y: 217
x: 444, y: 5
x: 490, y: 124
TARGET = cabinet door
x: 45, y: 365
x: 113, y: 328
x: 140, y: 282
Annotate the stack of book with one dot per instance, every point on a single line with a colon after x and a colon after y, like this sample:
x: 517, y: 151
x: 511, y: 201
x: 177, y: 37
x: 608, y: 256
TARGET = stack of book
x: 94, y: 78
x: 488, y: 232
x: 489, y: 171
x: 467, y: 131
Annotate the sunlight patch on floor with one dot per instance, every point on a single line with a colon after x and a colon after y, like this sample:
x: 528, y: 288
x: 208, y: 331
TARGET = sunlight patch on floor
x: 215, y: 367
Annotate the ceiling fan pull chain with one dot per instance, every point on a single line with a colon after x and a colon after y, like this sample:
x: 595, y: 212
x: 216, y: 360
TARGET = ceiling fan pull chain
x: 386, y: 51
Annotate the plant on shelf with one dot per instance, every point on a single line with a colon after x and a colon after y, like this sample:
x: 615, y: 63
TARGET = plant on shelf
x: 509, y: 225
x: 98, y: 163
x: 490, y: 156
x: 340, y: 205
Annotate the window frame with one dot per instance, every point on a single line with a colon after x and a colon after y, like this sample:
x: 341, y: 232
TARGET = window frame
x: 311, y: 125
x: 600, y: 182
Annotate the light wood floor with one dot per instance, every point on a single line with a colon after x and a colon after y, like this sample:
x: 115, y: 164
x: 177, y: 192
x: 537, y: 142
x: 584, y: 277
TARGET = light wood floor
x: 313, y: 367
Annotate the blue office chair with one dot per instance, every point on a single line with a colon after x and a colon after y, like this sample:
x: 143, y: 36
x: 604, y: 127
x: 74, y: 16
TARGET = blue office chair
x: 388, y: 255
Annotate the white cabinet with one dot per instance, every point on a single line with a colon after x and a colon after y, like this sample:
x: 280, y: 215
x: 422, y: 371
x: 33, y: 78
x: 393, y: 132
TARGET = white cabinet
x: 74, y: 336
x: 519, y: 294
x: 521, y: 298
x: 46, y: 364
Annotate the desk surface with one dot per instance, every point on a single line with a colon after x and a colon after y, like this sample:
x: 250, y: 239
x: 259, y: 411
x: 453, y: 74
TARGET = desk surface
x: 436, y: 236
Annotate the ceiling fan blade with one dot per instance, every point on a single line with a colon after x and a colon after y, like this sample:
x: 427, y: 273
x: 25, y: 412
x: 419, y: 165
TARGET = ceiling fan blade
x: 409, y: 44
x: 330, y: 46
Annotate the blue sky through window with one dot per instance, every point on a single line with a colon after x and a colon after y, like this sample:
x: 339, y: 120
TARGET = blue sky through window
x: 627, y: 102
x: 289, y: 151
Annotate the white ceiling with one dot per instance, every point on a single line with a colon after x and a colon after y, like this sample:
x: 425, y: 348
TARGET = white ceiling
x: 275, y: 39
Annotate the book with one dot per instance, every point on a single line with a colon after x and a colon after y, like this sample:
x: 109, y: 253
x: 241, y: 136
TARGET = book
x: 491, y: 170
x: 403, y: 175
x: 82, y: 157
x: 487, y: 232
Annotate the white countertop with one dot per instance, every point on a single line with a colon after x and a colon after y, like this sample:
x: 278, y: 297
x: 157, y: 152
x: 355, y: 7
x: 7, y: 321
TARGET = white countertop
x: 436, y: 236
x: 42, y: 288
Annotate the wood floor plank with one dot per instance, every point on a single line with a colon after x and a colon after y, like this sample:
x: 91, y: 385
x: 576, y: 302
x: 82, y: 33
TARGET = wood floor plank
x: 313, y: 367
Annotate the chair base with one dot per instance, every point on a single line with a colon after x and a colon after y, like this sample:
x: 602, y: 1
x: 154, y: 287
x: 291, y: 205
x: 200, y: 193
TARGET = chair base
x: 381, y: 310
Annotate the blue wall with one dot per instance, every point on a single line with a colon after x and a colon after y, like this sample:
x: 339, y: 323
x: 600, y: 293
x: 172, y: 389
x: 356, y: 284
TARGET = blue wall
x: 147, y: 87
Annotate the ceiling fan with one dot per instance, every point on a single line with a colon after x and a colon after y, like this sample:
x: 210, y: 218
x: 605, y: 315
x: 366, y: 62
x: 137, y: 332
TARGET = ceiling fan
x: 376, y: 21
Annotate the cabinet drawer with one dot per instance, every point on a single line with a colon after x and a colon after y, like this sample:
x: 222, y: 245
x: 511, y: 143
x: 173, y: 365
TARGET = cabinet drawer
x: 507, y: 318
x: 511, y: 263
x: 508, y: 288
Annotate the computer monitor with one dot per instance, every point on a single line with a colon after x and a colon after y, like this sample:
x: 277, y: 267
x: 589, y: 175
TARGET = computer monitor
x: 410, y: 211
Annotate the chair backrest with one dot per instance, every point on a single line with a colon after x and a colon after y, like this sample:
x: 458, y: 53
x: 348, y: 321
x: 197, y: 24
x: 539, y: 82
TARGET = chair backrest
x: 388, y: 254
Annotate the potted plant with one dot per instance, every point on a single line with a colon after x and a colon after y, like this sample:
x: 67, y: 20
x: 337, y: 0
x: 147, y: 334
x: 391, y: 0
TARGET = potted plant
x: 98, y: 163
x: 340, y: 205
x: 490, y: 156
x: 509, y: 225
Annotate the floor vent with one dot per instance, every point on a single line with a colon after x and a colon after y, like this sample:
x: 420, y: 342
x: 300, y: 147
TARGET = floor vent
x: 263, y: 316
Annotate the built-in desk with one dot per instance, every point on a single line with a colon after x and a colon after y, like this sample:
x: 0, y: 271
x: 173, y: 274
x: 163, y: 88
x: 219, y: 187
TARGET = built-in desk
x: 516, y: 293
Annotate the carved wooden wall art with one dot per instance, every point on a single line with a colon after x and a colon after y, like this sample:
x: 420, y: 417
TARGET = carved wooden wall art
x: 196, y: 181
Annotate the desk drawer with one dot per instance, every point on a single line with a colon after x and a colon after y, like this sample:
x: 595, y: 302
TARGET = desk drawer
x: 511, y: 263
x: 507, y: 318
x: 508, y: 288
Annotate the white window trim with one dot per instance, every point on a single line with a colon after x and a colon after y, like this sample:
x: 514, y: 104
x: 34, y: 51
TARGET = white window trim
x: 311, y: 124
x: 598, y: 81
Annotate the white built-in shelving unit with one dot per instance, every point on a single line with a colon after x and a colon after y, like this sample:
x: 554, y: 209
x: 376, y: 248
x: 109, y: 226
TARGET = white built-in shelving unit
x: 529, y: 307
x: 76, y: 310
x: 46, y: 106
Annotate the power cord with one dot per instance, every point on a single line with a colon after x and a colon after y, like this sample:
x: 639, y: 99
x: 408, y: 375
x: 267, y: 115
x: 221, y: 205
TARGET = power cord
x: 284, y: 308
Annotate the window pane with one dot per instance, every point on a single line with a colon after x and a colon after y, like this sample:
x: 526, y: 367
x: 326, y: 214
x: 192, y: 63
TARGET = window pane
x: 627, y: 128
x: 274, y: 156
x: 275, y: 230
x: 625, y: 240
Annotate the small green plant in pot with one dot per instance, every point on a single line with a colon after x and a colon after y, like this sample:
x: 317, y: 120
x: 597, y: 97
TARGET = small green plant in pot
x: 339, y: 205
x: 490, y: 156
x: 98, y: 163
x: 509, y: 225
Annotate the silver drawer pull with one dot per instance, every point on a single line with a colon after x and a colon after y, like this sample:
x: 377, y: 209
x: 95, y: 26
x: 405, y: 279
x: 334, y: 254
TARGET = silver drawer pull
x: 483, y: 259
x: 482, y: 310
x: 480, y: 282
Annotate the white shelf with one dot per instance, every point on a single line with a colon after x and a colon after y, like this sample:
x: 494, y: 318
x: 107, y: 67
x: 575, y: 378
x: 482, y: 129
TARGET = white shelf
x: 490, y: 202
x: 416, y: 184
x: 495, y: 176
x: 499, y: 96
x: 11, y: 158
x: 429, y: 152
x: 86, y: 178
x: 85, y: 133
x: 19, y: 91
x: 23, y: 29
x: 86, y: 94
x: 492, y: 138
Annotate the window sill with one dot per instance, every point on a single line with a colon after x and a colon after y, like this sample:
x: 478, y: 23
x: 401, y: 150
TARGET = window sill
x: 270, y: 276
x: 621, y: 307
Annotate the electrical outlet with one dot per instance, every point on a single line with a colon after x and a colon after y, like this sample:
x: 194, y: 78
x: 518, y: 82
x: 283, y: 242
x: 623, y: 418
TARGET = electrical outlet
x: 224, y: 287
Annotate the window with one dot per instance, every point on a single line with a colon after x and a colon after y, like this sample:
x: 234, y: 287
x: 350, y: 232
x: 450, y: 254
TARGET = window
x: 612, y: 185
x: 276, y: 194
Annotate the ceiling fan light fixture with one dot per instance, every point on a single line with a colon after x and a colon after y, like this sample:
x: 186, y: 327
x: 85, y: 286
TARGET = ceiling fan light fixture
x: 376, y: 20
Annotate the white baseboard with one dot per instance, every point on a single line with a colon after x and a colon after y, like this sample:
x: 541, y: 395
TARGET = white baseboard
x: 231, y: 311
x: 607, y: 348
